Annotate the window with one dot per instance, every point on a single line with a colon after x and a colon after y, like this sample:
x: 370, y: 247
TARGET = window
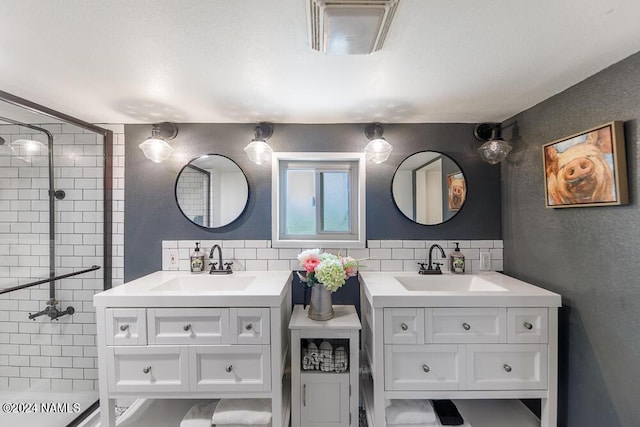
x: 318, y: 200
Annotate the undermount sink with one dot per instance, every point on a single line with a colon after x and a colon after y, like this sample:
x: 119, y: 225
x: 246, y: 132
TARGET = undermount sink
x: 204, y: 283
x: 448, y: 283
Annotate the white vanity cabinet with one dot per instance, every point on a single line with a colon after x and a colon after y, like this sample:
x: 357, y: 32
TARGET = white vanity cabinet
x: 181, y: 345
x: 325, y: 397
x: 439, y: 345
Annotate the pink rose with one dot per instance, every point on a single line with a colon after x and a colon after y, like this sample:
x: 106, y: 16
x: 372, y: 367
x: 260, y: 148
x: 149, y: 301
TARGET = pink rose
x: 310, y: 264
x: 350, y: 266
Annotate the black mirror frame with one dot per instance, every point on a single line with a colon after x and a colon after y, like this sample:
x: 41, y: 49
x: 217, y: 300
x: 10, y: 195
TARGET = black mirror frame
x: 175, y: 192
x: 393, y: 199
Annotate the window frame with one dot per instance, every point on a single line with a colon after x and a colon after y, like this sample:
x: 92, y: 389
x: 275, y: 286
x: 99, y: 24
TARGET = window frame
x: 357, y: 205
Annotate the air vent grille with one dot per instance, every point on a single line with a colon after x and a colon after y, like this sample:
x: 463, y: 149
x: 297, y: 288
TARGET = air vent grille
x: 349, y: 26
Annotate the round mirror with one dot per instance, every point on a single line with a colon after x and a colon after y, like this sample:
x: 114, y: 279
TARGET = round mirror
x: 212, y: 191
x: 429, y: 188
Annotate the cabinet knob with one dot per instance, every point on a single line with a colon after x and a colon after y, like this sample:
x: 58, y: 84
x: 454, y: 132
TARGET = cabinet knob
x: 507, y: 367
x: 229, y: 368
x: 528, y: 325
x: 404, y: 326
x: 146, y: 369
x: 186, y: 327
x: 124, y: 327
x: 249, y: 326
x: 425, y: 368
x: 466, y: 326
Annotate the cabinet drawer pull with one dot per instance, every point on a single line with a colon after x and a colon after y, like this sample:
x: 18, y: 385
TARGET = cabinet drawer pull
x: 146, y: 369
x: 404, y: 326
x: 507, y: 367
x: 187, y: 327
x: 425, y: 368
x: 528, y: 325
x: 466, y: 326
x: 124, y: 327
x: 304, y: 395
x: 229, y: 368
x: 249, y: 326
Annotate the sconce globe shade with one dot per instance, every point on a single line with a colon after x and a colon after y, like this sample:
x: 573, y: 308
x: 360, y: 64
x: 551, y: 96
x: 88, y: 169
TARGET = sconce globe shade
x: 155, y: 149
x: 377, y: 150
x: 494, y: 151
x: 258, y: 151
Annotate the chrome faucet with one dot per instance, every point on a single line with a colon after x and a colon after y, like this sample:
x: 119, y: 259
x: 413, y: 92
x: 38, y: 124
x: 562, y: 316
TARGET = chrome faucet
x: 430, y: 269
x: 220, y: 269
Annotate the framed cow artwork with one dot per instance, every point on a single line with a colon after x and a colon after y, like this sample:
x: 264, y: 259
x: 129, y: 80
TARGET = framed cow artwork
x: 587, y: 169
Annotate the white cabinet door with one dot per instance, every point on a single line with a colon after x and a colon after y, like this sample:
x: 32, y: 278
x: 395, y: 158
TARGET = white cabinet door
x: 188, y: 325
x: 469, y: 325
x: 325, y: 400
x: 424, y: 367
x: 527, y: 325
x: 126, y: 326
x: 249, y: 325
x: 507, y: 367
x: 404, y: 325
x: 230, y: 368
x: 147, y: 369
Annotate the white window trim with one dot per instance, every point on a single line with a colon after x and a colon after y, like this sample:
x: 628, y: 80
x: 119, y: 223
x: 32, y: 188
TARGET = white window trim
x: 276, y: 242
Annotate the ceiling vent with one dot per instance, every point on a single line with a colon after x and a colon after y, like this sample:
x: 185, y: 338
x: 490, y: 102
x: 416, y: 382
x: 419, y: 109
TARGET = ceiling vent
x: 349, y: 27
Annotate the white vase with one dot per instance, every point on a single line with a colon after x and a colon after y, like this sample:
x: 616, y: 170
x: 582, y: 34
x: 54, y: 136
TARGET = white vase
x: 320, y: 307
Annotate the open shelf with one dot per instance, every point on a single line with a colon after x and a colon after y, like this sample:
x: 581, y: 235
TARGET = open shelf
x: 476, y: 412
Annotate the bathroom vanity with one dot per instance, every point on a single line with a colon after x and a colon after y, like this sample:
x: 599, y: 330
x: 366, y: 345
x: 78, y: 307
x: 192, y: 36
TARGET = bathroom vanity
x: 177, y: 335
x: 476, y: 338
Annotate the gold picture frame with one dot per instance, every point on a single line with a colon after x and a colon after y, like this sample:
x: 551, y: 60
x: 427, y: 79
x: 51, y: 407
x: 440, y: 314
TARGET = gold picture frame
x: 587, y: 169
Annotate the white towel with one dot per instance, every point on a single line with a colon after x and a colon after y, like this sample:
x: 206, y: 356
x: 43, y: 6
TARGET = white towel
x: 199, y: 415
x: 326, y: 357
x: 243, y: 412
x: 307, y: 361
x: 245, y: 425
x: 410, y: 412
x: 314, y: 355
x: 434, y: 424
x: 341, y: 359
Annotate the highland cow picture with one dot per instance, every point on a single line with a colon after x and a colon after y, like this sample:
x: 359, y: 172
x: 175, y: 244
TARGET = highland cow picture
x: 587, y: 169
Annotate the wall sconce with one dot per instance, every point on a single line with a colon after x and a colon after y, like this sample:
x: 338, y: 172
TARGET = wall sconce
x: 258, y: 150
x: 378, y: 149
x: 495, y: 149
x: 156, y: 148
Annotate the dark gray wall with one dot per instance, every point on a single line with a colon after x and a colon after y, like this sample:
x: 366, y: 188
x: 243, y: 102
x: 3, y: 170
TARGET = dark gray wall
x: 151, y: 213
x: 588, y: 255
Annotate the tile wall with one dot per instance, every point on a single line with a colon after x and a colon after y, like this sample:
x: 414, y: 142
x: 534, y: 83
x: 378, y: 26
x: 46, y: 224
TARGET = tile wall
x: 42, y: 354
x: 380, y: 255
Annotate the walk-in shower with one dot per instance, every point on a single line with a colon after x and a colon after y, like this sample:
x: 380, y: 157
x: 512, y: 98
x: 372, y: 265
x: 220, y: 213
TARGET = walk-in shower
x: 55, y: 254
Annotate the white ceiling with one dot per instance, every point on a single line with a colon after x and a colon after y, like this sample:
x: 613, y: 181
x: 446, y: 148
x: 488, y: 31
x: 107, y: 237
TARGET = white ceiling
x: 225, y: 61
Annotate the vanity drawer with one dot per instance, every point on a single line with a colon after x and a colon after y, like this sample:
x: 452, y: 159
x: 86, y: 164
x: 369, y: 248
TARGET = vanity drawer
x: 527, y: 325
x: 424, y: 367
x: 230, y: 368
x: 507, y: 367
x: 468, y: 325
x: 144, y: 369
x: 188, y: 325
x: 404, y: 325
x: 126, y: 326
x: 249, y: 325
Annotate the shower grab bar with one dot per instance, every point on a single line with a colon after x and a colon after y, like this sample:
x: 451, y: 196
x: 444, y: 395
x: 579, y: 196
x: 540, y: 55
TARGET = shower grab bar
x: 49, y: 280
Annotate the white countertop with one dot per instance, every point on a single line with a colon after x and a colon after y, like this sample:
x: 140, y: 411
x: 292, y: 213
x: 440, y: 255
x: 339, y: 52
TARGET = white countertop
x: 383, y: 289
x: 264, y: 289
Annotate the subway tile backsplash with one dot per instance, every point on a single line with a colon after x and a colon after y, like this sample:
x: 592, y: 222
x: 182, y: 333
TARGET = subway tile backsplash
x: 380, y: 255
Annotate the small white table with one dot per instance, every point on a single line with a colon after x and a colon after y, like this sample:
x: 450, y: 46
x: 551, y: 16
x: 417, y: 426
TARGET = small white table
x: 327, y: 399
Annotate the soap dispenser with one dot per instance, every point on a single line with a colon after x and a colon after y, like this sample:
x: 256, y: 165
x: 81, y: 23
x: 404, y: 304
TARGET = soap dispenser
x: 456, y: 260
x: 197, y: 260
